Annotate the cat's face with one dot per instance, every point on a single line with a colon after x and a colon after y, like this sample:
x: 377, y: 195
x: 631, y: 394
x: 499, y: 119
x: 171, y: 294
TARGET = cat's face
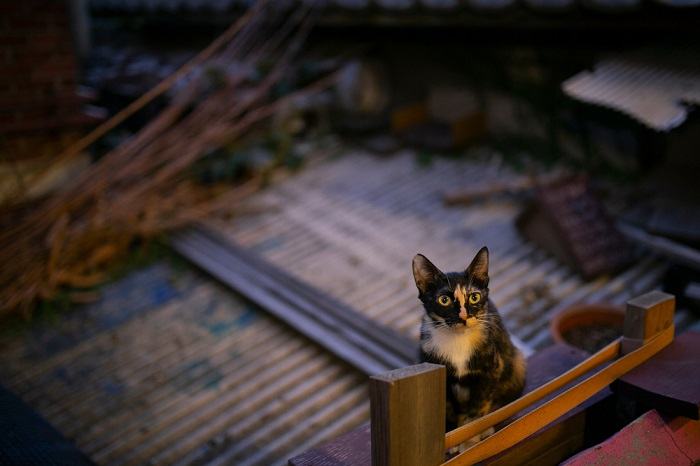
x: 456, y: 300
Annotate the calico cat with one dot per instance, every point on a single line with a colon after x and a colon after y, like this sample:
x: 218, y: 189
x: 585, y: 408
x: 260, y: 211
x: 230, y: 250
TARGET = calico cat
x: 462, y: 330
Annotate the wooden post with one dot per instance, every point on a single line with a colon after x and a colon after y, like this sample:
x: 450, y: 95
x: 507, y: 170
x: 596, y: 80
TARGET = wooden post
x: 408, y: 416
x: 646, y: 316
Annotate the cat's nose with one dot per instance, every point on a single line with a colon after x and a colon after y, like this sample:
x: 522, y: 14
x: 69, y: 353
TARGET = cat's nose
x: 463, y: 314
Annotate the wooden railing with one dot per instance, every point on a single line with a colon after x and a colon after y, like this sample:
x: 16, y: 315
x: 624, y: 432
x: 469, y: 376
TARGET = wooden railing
x: 408, y: 405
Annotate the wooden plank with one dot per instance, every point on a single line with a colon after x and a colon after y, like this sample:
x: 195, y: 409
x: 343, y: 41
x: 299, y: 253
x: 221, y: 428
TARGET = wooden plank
x: 378, y: 342
x: 393, y: 341
x: 668, y: 382
x: 311, y: 328
x: 316, y: 304
x: 408, y: 416
x: 646, y: 316
x: 277, y: 286
x: 479, y: 192
x: 549, y: 446
x: 350, y: 449
x: 677, y: 252
x: 567, y: 435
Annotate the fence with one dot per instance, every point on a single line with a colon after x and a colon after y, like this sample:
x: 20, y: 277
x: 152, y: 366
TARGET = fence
x: 406, y: 431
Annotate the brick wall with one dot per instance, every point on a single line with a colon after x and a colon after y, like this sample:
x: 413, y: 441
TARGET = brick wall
x: 38, y: 77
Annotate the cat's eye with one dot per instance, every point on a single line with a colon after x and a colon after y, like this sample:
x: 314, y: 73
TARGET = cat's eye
x: 474, y: 298
x: 444, y: 300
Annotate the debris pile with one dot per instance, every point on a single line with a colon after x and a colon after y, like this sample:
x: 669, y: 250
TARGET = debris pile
x: 143, y: 187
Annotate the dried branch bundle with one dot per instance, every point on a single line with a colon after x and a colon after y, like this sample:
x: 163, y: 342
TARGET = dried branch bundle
x: 140, y: 188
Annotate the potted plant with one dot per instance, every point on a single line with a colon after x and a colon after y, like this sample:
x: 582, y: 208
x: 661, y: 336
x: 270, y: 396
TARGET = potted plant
x: 588, y: 326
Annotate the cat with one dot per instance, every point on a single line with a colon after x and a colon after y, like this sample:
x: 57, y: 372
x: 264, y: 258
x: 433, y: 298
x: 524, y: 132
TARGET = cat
x: 462, y: 330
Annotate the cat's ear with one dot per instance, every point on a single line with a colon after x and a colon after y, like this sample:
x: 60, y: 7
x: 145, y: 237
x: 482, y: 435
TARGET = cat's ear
x: 479, y: 268
x: 425, y: 273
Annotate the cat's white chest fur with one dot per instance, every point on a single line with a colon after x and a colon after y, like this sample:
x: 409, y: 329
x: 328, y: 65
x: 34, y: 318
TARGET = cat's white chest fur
x: 455, y: 346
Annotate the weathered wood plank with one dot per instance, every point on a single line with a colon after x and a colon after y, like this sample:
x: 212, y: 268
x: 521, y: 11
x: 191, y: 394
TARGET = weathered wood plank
x: 352, y: 448
x: 346, y: 337
x: 557, y: 441
x: 280, y: 309
x: 677, y: 252
x: 408, y: 416
x: 392, y: 341
x: 646, y: 316
x: 346, y: 327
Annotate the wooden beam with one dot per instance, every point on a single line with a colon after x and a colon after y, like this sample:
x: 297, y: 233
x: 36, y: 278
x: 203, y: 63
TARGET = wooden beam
x: 391, y: 341
x: 570, y: 433
x: 352, y: 337
x: 675, y: 251
x: 646, y: 316
x: 408, y: 416
x: 476, y: 193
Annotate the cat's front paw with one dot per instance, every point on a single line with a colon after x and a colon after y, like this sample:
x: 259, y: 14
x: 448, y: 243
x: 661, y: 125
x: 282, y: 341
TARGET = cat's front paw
x: 487, y: 433
x: 471, y: 442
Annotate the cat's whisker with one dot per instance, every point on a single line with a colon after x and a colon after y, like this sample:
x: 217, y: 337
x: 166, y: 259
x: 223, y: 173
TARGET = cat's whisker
x: 439, y: 324
x: 488, y: 324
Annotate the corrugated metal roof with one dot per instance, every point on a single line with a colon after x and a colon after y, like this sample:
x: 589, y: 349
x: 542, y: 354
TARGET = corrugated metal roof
x: 170, y: 368
x: 352, y: 226
x: 649, y: 91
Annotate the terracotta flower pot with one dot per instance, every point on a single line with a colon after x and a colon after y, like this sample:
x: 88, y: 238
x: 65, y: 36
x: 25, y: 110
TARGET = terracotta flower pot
x: 592, y: 316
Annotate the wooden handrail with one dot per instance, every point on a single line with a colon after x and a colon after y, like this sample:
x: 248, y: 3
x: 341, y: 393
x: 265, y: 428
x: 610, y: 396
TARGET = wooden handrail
x: 467, y: 431
x: 399, y: 440
x: 538, y: 418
